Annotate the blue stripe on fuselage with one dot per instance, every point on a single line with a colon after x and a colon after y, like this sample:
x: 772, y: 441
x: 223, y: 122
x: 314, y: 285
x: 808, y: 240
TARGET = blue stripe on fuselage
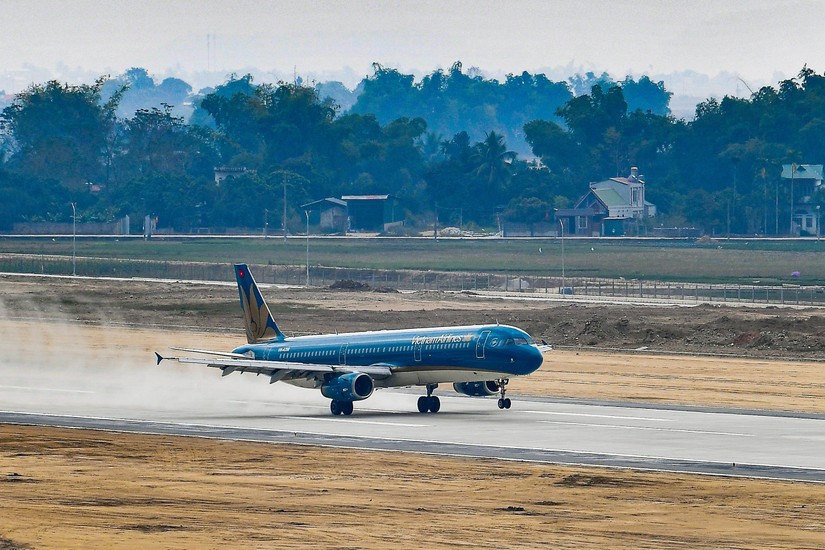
x: 490, y: 348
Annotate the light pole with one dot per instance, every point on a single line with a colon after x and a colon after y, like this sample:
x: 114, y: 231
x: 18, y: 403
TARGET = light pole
x: 563, y: 285
x: 74, y: 239
x: 793, y: 175
x: 776, y: 212
x: 728, y: 215
x: 284, y: 219
x: 817, y: 222
x: 307, y: 215
x: 765, y: 203
x: 733, y: 198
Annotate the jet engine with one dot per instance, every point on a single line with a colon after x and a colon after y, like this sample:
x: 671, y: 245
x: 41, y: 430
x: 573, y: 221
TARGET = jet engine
x: 477, y: 389
x: 354, y: 386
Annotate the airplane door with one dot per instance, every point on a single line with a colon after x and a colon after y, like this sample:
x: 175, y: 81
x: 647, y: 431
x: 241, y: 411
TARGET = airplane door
x: 481, y: 343
x: 417, y: 350
x: 342, y: 354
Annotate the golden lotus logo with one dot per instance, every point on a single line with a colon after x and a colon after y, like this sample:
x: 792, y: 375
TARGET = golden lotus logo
x: 256, y: 315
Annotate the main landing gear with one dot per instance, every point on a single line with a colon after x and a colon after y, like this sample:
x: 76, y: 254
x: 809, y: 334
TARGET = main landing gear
x: 340, y: 407
x: 503, y: 402
x: 430, y: 403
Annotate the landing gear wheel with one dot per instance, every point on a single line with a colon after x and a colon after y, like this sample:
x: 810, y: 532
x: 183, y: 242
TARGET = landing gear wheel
x: 503, y: 402
x: 429, y: 404
x: 340, y: 407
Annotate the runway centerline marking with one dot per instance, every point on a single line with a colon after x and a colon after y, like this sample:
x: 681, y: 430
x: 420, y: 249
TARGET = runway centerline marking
x: 305, y: 406
x: 648, y: 428
x: 28, y: 388
x: 275, y: 404
x: 353, y: 421
x: 602, y: 416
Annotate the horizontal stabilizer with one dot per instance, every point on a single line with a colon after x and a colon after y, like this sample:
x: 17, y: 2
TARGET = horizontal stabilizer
x: 216, y: 353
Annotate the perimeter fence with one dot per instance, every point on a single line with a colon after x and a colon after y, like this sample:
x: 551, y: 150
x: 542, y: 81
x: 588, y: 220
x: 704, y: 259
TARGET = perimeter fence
x: 409, y: 280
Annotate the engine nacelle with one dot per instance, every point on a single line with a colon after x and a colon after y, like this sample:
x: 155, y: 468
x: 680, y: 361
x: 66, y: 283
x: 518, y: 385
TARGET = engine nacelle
x: 477, y: 389
x: 354, y: 386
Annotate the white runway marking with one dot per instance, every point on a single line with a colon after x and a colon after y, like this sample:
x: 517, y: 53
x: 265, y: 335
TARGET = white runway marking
x: 316, y: 407
x: 275, y: 404
x: 354, y: 421
x: 28, y: 388
x: 643, y: 428
x: 805, y: 437
x: 601, y: 416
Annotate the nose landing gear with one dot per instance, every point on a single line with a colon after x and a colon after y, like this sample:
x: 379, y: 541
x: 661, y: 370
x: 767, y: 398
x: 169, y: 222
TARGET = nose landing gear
x: 503, y: 402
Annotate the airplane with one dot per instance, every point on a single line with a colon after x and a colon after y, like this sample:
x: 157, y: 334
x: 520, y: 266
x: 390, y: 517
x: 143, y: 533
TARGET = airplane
x: 478, y: 360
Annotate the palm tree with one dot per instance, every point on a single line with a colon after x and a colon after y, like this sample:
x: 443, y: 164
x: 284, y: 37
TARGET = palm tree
x: 493, y: 161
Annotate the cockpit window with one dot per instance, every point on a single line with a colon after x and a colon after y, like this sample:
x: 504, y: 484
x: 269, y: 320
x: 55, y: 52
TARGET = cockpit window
x: 515, y: 341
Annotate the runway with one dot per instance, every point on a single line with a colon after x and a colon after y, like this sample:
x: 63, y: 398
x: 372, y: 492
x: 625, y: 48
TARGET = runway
x: 191, y: 402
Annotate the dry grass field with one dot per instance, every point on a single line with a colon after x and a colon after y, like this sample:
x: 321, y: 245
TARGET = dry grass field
x: 82, y: 489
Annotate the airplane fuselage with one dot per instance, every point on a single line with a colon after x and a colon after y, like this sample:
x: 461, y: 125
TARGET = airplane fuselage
x: 416, y: 356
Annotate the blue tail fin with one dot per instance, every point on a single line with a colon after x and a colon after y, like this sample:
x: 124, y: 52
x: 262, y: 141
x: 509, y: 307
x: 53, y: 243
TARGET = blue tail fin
x: 256, y: 315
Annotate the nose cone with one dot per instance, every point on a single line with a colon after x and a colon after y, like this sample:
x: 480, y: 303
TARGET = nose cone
x: 530, y: 359
x: 536, y: 358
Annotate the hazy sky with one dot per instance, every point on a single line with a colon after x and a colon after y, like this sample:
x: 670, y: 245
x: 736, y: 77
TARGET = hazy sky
x: 752, y: 38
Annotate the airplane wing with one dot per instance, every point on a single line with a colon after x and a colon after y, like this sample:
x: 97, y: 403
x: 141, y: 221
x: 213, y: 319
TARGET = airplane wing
x: 276, y: 370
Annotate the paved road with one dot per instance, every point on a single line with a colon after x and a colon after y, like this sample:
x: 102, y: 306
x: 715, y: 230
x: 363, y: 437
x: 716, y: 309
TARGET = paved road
x: 191, y: 401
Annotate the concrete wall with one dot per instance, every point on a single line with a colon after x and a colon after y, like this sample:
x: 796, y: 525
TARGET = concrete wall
x: 47, y: 228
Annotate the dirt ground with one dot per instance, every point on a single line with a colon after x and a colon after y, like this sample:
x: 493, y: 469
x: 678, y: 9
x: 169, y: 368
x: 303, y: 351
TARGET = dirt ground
x: 78, y: 489
x: 706, y: 329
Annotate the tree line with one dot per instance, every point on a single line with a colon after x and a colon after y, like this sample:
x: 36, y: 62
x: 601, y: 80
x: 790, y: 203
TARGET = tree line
x: 469, y: 149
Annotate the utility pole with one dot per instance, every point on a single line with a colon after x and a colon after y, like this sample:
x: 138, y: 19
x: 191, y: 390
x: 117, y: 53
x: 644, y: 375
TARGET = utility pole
x: 733, y: 199
x: 284, y: 218
x: 307, y: 215
x: 793, y: 175
x: 765, y: 202
x: 563, y: 284
x: 74, y: 239
x: 776, y: 213
x: 728, y: 218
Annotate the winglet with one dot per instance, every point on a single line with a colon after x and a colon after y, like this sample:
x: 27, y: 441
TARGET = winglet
x: 260, y: 326
x: 160, y: 358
